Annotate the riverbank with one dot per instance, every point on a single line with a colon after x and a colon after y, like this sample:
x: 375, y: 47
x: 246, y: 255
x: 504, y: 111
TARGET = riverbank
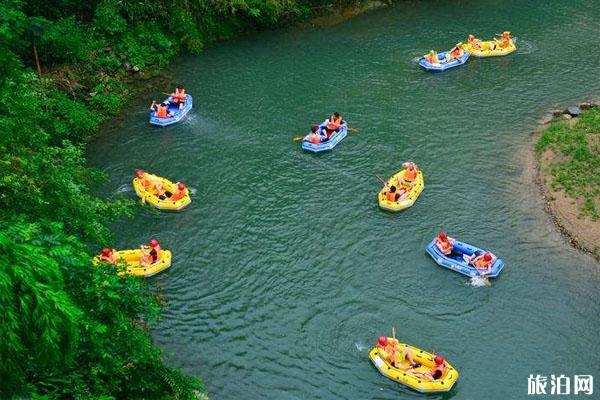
x: 73, y: 331
x: 567, y: 153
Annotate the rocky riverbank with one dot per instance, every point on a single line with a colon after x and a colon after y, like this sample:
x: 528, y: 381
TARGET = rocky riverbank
x: 567, y: 153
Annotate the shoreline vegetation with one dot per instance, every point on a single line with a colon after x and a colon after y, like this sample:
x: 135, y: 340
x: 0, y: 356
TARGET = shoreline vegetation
x: 70, y: 330
x: 567, y: 153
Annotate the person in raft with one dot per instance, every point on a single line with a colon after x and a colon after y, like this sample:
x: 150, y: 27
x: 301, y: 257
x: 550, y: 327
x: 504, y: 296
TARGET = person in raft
x: 437, y: 371
x: 314, y: 136
x: 146, y: 182
x: 481, y: 261
x: 178, y: 97
x: 505, y: 39
x: 395, y: 354
x: 432, y: 57
x: 160, y: 110
x: 456, y: 52
x: 444, y: 243
x: 150, y: 254
x: 333, y: 124
x: 108, y: 255
x: 411, y: 171
x: 474, y: 42
x: 394, y: 195
x: 161, y: 193
x: 180, y: 193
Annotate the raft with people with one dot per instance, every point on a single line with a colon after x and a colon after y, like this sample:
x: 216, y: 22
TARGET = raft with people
x: 437, y: 62
x: 161, y: 192
x: 463, y: 258
x: 402, y: 189
x: 172, y: 110
x: 413, y: 367
x: 144, y: 262
x: 327, y: 135
x: 490, y: 48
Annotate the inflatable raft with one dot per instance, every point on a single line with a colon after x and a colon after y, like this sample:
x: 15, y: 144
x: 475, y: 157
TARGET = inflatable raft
x: 409, y: 378
x: 456, y: 262
x: 408, y: 200
x: 486, y: 49
x: 151, y: 197
x: 176, y: 114
x: 443, y: 65
x: 132, y: 258
x: 329, y: 144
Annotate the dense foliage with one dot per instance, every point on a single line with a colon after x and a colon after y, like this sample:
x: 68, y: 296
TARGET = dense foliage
x: 577, y: 167
x: 68, y: 329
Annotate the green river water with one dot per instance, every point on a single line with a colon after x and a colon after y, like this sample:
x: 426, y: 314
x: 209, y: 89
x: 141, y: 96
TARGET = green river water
x: 285, y: 270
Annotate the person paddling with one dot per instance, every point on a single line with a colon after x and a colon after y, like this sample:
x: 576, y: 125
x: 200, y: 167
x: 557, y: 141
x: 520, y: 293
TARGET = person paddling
x: 437, y: 371
x: 178, y: 97
x: 108, y: 255
x: 411, y: 171
x: 505, y: 39
x: 334, y: 123
x: 150, y: 254
x: 180, y: 193
x: 142, y: 176
x: 432, y: 57
x: 474, y: 42
x: 160, y: 110
x: 314, y: 137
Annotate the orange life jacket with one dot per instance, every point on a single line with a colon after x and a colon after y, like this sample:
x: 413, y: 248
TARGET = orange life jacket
x: 161, y: 112
x: 145, y: 182
x: 390, y: 196
x: 445, y: 246
x: 432, y: 58
x: 180, y: 95
x: 410, y: 174
x: 481, y: 263
x: 178, y: 195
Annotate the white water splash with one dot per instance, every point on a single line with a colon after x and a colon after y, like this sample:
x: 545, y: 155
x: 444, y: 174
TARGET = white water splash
x: 479, y: 281
x: 124, y: 188
x: 192, y: 190
x: 360, y: 346
x: 524, y: 47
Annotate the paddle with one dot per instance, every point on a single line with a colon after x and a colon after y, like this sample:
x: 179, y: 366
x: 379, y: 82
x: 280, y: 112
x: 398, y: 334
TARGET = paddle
x: 384, y: 183
x: 352, y: 130
x: 297, y: 138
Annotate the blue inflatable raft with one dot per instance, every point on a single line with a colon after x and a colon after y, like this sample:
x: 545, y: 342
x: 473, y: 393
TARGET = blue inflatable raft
x: 456, y: 262
x: 328, y: 144
x: 176, y: 114
x: 444, y: 65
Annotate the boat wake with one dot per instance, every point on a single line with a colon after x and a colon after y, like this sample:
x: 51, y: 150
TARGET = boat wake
x: 525, y: 47
x: 126, y: 187
x: 479, y: 281
x: 360, y: 346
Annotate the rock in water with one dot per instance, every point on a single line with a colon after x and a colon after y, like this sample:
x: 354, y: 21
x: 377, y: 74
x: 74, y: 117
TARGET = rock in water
x: 565, y: 117
x: 574, y: 111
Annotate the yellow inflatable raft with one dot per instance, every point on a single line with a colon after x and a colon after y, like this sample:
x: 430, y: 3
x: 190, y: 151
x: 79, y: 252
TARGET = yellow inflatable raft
x: 486, y: 49
x: 132, y: 258
x: 412, y: 380
x: 414, y: 192
x: 149, y: 196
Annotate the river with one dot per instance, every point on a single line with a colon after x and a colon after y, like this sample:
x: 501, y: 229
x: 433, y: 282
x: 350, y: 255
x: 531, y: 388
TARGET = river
x: 285, y: 270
